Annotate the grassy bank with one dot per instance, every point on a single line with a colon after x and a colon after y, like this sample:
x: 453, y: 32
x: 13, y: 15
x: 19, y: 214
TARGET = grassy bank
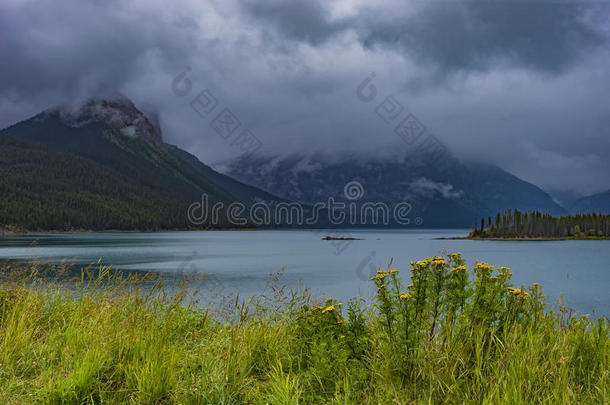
x: 454, y: 335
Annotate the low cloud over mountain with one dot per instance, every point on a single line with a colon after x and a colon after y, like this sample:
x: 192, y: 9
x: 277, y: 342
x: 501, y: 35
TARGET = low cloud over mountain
x: 521, y: 84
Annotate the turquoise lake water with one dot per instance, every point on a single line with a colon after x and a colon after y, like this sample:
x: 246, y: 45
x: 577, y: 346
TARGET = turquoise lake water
x: 242, y: 261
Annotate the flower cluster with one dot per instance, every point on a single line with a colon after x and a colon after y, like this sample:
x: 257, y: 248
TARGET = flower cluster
x: 444, y: 299
x: 518, y: 292
x: 330, y: 306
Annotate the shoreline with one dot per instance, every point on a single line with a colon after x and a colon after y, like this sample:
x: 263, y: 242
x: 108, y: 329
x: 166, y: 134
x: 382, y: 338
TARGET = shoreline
x: 79, y: 231
x: 6, y: 232
x: 526, y: 239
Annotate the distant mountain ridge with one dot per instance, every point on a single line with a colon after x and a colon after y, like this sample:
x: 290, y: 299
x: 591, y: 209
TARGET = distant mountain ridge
x: 124, y: 155
x: 104, y: 165
x: 443, y: 193
x: 597, y: 203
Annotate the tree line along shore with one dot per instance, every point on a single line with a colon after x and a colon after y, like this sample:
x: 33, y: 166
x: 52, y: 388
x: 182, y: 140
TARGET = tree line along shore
x: 535, y: 225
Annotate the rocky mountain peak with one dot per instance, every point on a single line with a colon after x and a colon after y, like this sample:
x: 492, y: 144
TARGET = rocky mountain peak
x: 117, y: 111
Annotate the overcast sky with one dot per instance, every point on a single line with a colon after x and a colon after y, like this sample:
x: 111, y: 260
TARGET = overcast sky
x: 523, y: 84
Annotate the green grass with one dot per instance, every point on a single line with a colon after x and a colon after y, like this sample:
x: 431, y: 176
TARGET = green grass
x: 452, y: 336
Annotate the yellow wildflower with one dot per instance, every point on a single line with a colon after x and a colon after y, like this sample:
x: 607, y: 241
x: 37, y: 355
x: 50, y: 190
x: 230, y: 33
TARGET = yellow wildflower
x: 393, y: 271
x: 328, y: 309
x: 404, y: 295
x: 439, y: 260
x: 518, y: 292
x: 483, y: 266
x: 378, y: 277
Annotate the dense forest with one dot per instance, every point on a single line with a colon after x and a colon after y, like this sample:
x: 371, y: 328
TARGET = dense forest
x: 86, y: 173
x: 45, y: 189
x: 534, y: 224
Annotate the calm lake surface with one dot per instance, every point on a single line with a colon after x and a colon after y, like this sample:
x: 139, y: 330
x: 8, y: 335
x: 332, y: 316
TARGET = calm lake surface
x: 242, y: 261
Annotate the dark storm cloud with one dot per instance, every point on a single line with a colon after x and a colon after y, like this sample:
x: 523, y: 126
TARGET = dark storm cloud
x: 523, y: 84
x: 298, y: 20
x: 75, y: 48
x: 451, y: 35
x: 476, y: 35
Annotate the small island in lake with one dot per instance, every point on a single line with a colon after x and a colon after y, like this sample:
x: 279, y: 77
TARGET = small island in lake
x: 516, y: 225
x: 337, y: 238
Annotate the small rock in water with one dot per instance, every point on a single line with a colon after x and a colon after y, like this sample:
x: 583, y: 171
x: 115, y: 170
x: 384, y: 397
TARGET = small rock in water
x: 334, y: 238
